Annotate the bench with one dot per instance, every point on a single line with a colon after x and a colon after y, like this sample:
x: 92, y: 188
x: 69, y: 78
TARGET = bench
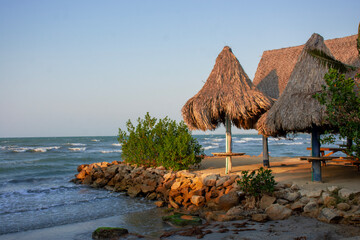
x: 228, y: 162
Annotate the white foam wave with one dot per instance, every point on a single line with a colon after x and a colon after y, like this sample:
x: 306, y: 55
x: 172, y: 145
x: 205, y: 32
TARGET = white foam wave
x: 111, y: 151
x: 252, y: 139
x: 37, y: 150
x: 18, y: 150
x: 76, y: 144
x: 81, y: 149
x: 2, y: 147
x: 218, y: 139
x: 209, y: 147
x: 117, y: 144
x: 239, y: 141
x: 95, y: 140
x: 292, y: 143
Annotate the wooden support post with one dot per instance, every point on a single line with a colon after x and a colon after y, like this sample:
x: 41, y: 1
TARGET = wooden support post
x: 315, y: 152
x: 266, y: 161
x: 349, y: 142
x: 228, y: 145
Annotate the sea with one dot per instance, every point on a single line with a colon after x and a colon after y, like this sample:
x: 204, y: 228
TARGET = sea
x: 37, y: 199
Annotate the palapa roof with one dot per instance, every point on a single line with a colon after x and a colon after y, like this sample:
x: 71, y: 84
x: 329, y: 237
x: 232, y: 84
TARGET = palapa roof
x: 296, y: 110
x: 228, y: 91
x: 276, y: 66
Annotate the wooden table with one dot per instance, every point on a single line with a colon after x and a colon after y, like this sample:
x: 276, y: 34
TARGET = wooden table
x: 328, y: 149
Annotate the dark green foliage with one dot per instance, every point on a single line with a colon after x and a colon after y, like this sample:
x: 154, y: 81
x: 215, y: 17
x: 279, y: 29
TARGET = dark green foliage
x: 257, y: 184
x: 180, y: 219
x: 159, y: 143
x: 342, y: 108
x: 109, y: 233
x: 329, y: 61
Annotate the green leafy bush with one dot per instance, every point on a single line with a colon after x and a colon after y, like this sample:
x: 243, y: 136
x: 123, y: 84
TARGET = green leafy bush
x: 342, y: 105
x: 257, y: 184
x: 159, y: 143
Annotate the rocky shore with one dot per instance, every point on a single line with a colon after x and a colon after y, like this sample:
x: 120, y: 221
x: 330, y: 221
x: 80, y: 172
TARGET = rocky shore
x: 218, y: 198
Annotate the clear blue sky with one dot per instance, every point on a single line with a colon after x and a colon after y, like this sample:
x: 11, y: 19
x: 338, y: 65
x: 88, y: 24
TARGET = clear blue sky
x: 78, y: 68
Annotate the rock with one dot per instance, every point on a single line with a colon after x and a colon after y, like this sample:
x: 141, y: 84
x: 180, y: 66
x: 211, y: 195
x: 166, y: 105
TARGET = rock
x: 295, y: 187
x: 146, y: 189
x: 279, y: 186
x: 151, y: 196
x: 100, y: 182
x: 314, y: 193
x: 173, y: 203
x: 332, y: 188
x: 282, y: 201
x: 197, y: 200
x: 159, y: 203
x: 297, y: 206
x: 250, y: 202
x: 343, y: 207
x: 221, y: 181
x: 133, y: 191
x: 81, y: 175
x: 259, y: 217
x: 180, y: 219
x: 278, y: 212
x: 292, y: 196
x: 87, y: 180
x: 175, y: 185
x: 287, y: 184
x: 280, y: 193
x: 266, y: 201
x: 328, y: 215
x: 310, y: 207
x: 330, y: 202
x: 304, y: 200
x: 185, y: 174
x: 228, y: 201
x: 109, y: 233
x: 81, y: 167
x: 210, y: 180
x: 169, y: 176
x: 345, y: 193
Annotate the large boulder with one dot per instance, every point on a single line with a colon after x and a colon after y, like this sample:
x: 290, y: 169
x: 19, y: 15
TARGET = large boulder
x: 278, y: 212
x: 266, y: 201
x: 329, y: 215
x: 228, y: 201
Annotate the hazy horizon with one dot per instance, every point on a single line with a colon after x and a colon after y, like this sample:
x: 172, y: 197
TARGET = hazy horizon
x: 83, y: 68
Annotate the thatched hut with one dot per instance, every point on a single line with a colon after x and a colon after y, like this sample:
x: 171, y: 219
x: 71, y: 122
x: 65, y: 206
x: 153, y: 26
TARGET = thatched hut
x: 296, y: 110
x: 276, y: 66
x: 227, y: 97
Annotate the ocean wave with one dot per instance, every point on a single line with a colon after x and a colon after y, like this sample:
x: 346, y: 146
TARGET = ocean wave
x: 95, y: 140
x: 209, y: 147
x: 251, y: 139
x: 80, y: 149
x: 111, y: 151
x: 75, y: 144
x: 291, y: 143
x: 218, y: 139
x: 117, y: 144
x: 239, y: 141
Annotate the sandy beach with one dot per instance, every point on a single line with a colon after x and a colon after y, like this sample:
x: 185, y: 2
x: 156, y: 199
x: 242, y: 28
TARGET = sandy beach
x: 286, y: 169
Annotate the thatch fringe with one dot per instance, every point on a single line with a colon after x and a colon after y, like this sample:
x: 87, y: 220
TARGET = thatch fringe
x: 228, y: 92
x: 296, y: 110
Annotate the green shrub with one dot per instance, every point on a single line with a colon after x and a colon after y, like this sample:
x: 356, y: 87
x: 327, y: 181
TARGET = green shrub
x: 161, y: 142
x: 257, y: 184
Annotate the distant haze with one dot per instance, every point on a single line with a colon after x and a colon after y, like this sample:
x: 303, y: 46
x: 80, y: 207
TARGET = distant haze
x: 83, y: 68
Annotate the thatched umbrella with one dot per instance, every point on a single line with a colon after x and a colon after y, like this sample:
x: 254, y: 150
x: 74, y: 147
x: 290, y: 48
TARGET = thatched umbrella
x: 227, y: 97
x: 296, y: 110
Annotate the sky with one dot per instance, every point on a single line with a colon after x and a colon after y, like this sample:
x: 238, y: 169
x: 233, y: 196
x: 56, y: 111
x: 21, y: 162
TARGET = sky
x: 84, y: 67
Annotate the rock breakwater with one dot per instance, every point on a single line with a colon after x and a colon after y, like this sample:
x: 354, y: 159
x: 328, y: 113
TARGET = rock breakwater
x: 219, y: 198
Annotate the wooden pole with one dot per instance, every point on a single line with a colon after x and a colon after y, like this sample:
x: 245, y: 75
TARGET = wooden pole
x: 228, y: 145
x: 315, y: 152
x: 266, y: 161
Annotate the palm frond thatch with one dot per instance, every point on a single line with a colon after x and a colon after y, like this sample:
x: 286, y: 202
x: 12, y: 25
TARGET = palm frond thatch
x: 331, y: 62
x: 228, y: 92
x: 296, y: 110
x: 276, y: 66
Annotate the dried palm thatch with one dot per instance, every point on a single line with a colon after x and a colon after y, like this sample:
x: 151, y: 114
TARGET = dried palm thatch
x: 296, y: 110
x: 276, y: 66
x: 228, y: 92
